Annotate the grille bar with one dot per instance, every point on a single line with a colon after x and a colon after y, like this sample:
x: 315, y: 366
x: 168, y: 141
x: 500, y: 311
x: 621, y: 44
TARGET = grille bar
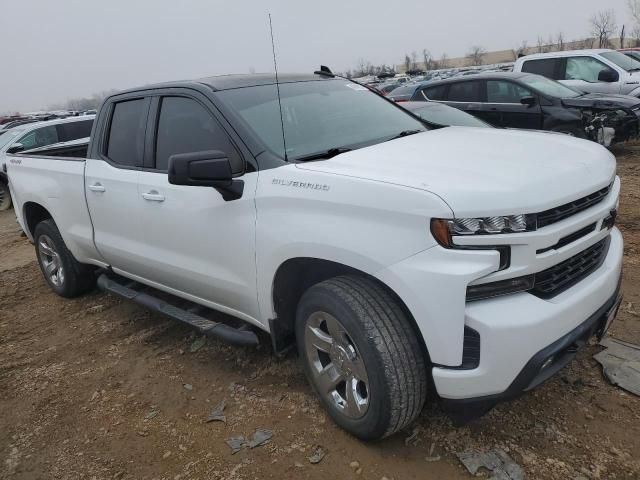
x: 565, y: 211
x: 557, y: 279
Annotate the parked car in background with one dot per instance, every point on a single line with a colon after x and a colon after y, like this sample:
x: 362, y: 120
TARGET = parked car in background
x: 35, y: 135
x: 441, y: 115
x: 387, y: 88
x: 405, y: 92
x: 523, y: 100
x: 595, y: 71
x: 631, y: 53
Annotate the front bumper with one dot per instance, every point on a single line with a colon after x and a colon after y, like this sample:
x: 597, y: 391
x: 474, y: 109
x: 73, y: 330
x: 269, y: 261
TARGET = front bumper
x: 514, y: 328
x: 542, y: 366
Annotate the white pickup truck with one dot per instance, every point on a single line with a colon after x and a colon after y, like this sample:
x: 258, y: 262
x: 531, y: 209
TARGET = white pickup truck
x: 398, y: 258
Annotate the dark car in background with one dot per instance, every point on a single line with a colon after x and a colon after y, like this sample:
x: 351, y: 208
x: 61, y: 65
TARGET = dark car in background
x: 405, y: 92
x: 440, y: 115
x: 529, y: 101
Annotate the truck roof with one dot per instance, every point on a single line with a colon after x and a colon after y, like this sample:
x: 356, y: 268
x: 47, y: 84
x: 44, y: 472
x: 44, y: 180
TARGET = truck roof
x: 228, y: 82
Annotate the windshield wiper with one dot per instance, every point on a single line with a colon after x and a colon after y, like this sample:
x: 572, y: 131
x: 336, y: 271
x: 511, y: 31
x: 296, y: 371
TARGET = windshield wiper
x: 405, y: 133
x: 332, y: 152
x: 637, y: 69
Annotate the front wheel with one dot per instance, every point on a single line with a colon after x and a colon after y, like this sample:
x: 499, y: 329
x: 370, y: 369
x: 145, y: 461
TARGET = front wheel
x: 64, y: 274
x: 361, y: 355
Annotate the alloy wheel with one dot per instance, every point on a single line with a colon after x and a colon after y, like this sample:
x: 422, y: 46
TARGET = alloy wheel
x: 338, y: 370
x: 51, y: 261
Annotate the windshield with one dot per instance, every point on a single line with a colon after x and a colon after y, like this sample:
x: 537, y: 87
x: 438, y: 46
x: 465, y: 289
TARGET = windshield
x: 9, y: 136
x: 620, y: 59
x: 318, y: 116
x: 446, y: 116
x: 549, y: 87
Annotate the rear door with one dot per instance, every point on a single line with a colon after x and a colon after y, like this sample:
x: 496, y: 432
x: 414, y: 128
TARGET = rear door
x: 111, y: 184
x: 470, y: 96
x: 197, y: 244
x: 504, y: 97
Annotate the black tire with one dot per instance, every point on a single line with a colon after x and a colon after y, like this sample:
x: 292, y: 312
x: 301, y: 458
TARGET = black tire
x: 77, y: 278
x: 384, y: 340
x: 5, y: 197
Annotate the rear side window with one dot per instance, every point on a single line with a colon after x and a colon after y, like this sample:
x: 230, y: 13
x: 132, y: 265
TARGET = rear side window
x: 126, y: 133
x: 465, y: 92
x: 547, y: 67
x: 435, y: 93
x: 75, y: 130
x: 185, y: 126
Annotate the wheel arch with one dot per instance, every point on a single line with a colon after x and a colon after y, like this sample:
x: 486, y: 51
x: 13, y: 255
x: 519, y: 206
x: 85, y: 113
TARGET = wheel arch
x: 34, y: 213
x: 295, y: 276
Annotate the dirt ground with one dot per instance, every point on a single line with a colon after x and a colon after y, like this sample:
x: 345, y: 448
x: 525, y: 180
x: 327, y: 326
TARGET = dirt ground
x: 96, y: 388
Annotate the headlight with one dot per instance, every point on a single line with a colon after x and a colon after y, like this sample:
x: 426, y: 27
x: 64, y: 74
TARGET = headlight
x: 443, y: 229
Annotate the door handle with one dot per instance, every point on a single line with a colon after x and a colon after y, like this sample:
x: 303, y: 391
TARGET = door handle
x: 97, y: 187
x: 153, y: 196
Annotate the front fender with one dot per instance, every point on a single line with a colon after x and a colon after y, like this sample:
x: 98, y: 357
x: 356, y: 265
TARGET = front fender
x: 361, y: 224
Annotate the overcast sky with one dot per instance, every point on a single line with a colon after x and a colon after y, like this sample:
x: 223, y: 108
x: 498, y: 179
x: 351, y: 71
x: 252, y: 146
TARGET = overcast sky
x: 56, y: 50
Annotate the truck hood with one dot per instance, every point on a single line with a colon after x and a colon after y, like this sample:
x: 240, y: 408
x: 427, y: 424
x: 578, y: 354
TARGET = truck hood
x: 483, y: 171
x: 601, y: 100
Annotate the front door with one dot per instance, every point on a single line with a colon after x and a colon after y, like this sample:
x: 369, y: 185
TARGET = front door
x: 111, y: 187
x: 198, y: 244
x: 506, y: 97
x: 583, y: 73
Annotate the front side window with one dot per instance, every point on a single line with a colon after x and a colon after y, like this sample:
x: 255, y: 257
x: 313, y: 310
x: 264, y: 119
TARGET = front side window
x: 500, y: 91
x: 40, y: 137
x: 465, y: 92
x: 629, y: 64
x: 550, y: 88
x: 318, y: 115
x: 547, y: 67
x: 126, y: 133
x: 584, y: 68
x: 185, y: 126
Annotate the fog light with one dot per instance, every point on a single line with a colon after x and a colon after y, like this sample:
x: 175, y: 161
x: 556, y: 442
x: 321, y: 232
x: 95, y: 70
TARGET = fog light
x: 503, y: 287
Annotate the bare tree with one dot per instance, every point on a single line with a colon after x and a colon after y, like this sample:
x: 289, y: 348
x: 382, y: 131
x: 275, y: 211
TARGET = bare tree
x: 541, y: 45
x: 407, y: 63
x: 622, y: 36
x: 560, y: 42
x: 634, y: 9
x: 414, y: 61
x: 476, y: 55
x: 428, y: 59
x: 603, y: 25
x: 521, y: 51
x: 444, y: 61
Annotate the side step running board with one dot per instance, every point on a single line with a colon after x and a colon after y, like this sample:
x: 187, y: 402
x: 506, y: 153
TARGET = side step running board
x: 204, y: 326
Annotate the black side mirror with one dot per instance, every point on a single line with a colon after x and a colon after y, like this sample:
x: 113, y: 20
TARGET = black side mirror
x: 210, y: 168
x: 528, y: 101
x: 609, y: 76
x: 15, y: 148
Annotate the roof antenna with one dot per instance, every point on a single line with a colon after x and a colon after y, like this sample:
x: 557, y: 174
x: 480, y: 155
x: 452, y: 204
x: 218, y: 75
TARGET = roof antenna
x: 275, y: 66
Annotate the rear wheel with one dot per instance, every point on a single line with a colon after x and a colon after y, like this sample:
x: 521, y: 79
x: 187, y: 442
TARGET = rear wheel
x: 64, y: 274
x: 5, y: 197
x: 361, y: 355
